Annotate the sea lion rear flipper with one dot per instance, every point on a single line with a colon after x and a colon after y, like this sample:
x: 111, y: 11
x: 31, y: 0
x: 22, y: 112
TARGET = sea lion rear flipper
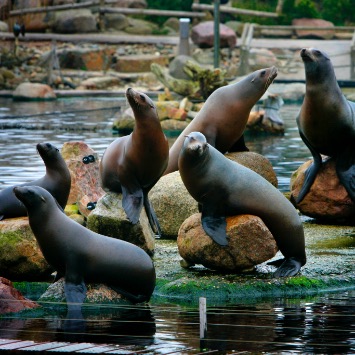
x: 312, y: 170
x: 290, y: 267
x: 132, y: 203
x: 345, y: 167
x: 130, y: 296
x: 75, y: 293
x: 214, y: 225
x: 239, y: 146
x: 152, y: 217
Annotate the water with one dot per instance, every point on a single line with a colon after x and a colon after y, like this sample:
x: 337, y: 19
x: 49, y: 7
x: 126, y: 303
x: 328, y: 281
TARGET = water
x: 319, y: 324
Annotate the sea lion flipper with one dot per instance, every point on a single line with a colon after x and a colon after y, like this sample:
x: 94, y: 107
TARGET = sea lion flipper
x: 75, y: 293
x: 239, y: 146
x: 290, y: 267
x: 345, y: 167
x: 152, y: 217
x: 132, y: 203
x: 214, y: 225
x: 312, y: 170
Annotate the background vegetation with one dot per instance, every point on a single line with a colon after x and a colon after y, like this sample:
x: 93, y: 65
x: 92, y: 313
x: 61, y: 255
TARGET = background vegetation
x: 340, y: 12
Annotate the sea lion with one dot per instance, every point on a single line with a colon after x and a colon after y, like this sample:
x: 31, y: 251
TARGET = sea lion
x: 57, y: 181
x: 224, y: 115
x: 326, y: 121
x: 82, y: 255
x: 225, y: 188
x: 133, y: 164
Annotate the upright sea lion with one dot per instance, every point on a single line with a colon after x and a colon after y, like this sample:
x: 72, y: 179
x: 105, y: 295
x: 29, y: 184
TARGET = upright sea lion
x: 326, y: 121
x: 224, y: 115
x: 82, y: 255
x: 133, y: 164
x: 57, y: 181
x: 225, y: 188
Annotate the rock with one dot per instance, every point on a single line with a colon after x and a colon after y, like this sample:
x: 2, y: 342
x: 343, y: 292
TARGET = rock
x: 83, y: 164
x: 124, y: 122
x: 173, y: 23
x: 116, y: 22
x: 290, y: 92
x: 4, y: 27
x: 260, y: 58
x: 21, y: 257
x: 87, y: 58
x: 74, y: 21
x: 314, y: 22
x: 255, y: 162
x: 136, y: 4
x: 100, y: 83
x: 176, y: 67
x: 327, y: 198
x: 250, y: 243
x: 203, y: 35
x: 174, y: 125
x: 170, y: 110
x: 33, y: 91
x: 109, y: 218
x: 140, y: 27
x: 139, y: 63
x: 236, y: 26
x: 172, y: 203
x: 11, y: 300
x: 96, y: 293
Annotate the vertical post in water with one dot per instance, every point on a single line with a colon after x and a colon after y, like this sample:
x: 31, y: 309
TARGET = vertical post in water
x: 203, y: 316
x: 216, y: 34
x: 184, y: 46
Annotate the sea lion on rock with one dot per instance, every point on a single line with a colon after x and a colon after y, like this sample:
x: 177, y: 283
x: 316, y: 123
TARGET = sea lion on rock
x: 132, y: 164
x: 224, y: 115
x: 326, y: 122
x: 57, y: 181
x: 85, y: 256
x: 225, y: 188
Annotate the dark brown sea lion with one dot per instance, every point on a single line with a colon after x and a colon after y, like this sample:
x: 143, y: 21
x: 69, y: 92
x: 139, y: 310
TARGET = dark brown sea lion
x: 57, y: 181
x: 326, y: 121
x: 82, y: 255
x: 225, y: 188
x: 224, y: 115
x: 133, y: 164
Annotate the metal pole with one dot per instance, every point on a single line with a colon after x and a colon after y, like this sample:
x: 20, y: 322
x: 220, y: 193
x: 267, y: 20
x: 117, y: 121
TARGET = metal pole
x: 203, y: 317
x: 216, y: 33
x: 184, y: 46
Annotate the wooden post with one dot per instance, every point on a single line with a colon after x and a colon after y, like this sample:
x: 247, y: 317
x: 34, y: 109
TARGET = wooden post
x: 216, y: 36
x: 352, y: 58
x: 203, y: 317
x: 102, y: 17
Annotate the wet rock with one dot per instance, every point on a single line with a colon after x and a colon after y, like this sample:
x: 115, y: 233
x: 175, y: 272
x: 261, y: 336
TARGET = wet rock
x: 74, y: 21
x: 313, y: 22
x: 249, y: 243
x: 327, y: 198
x: 139, y: 63
x: 83, y: 164
x: 203, y: 35
x: 12, y: 300
x: 109, y: 218
x: 100, y: 83
x: 255, y: 162
x: 33, y: 91
x: 172, y: 203
x: 96, y: 293
x: 21, y: 257
x: 88, y: 58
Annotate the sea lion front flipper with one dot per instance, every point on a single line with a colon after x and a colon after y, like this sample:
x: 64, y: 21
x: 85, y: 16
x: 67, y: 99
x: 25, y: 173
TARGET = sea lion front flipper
x: 239, y: 146
x: 132, y: 203
x: 312, y: 170
x: 152, y: 217
x: 75, y: 293
x: 214, y: 224
x: 290, y: 267
x: 345, y: 167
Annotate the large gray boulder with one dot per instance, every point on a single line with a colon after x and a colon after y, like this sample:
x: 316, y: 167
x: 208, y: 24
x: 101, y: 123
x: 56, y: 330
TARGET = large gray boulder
x: 33, y: 91
x: 74, y: 21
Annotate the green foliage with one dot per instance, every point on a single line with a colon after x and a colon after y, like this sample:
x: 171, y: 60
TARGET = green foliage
x: 340, y: 12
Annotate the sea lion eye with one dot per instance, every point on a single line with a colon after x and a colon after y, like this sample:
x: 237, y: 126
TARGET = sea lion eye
x: 318, y: 52
x: 263, y: 72
x: 48, y: 145
x: 142, y: 97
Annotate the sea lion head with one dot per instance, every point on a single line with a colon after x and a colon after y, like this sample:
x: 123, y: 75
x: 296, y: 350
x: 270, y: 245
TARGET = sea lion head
x: 31, y: 196
x: 195, y: 144
x: 263, y: 77
x: 317, y: 63
x: 139, y: 102
x: 47, y: 151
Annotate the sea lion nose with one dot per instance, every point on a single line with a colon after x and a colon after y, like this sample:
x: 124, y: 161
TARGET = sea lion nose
x: 303, y: 51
